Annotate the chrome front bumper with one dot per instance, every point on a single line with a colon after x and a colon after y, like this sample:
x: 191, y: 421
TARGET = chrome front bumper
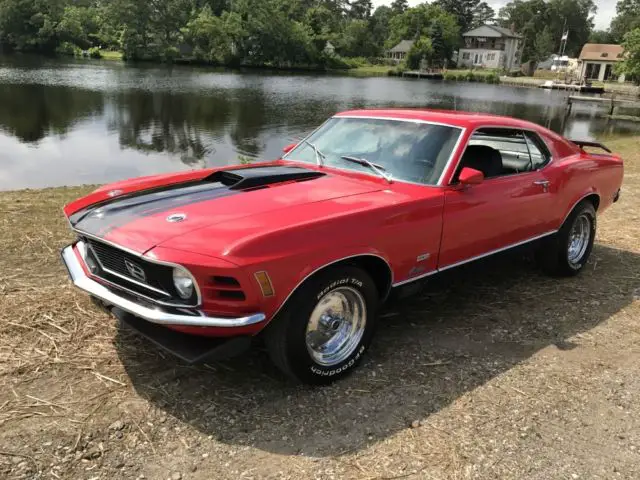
x: 153, y: 315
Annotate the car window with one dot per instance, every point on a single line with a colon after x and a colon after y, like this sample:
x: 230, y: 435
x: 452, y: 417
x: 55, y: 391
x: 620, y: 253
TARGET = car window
x: 511, y: 145
x: 411, y: 151
x: 539, y: 152
x: 501, y: 151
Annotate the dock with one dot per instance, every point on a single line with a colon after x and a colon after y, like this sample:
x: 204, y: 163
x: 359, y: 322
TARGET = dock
x: 569, y: 86
x: 611, y: 103
x: 419, y: 74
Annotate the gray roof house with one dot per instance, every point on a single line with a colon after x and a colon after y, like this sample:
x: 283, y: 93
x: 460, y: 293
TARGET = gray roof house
x: 490, y: 46
x: 400, y: 51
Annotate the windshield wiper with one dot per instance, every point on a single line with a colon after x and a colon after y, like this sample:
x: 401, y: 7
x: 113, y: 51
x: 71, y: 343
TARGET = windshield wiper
x: 319, y: 155
x: 379, y: 169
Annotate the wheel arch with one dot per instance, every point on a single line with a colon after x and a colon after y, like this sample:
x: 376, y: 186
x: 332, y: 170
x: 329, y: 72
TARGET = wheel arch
x: 375, y: 265
x: 591, y: 196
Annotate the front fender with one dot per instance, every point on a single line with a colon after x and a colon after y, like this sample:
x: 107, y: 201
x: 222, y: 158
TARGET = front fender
x: 288, y: 275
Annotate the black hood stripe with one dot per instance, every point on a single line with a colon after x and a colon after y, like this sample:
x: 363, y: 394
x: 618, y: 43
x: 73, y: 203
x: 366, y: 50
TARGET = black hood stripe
x: 100, y: 219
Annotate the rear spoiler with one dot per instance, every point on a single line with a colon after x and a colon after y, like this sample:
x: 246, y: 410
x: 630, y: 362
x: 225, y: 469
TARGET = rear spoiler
x: 584, y: 143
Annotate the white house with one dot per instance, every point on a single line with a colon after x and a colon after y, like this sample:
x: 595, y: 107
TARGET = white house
x: 490, y: 46
x: 597, y: 61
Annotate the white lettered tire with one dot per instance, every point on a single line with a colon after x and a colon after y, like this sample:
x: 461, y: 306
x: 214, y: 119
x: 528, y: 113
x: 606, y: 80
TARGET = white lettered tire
x: 326, y: 326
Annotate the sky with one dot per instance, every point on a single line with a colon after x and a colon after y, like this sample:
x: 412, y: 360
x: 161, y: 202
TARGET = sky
x: 606, y: 9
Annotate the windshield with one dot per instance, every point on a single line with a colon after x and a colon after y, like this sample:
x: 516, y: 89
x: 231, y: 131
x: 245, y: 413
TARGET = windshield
x: 408, y: 151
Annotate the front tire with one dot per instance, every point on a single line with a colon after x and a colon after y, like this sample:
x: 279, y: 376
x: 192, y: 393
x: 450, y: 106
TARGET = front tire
x: 567, y: 252
x: 326, y: 326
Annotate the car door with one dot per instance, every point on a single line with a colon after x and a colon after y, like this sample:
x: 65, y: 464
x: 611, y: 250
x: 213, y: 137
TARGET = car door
x: 506, y: 209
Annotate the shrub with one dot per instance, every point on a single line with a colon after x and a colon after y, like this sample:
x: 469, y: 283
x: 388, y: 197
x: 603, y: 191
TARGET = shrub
x: 493, y: 77
x: 68, y: 48
x: 94, y: 52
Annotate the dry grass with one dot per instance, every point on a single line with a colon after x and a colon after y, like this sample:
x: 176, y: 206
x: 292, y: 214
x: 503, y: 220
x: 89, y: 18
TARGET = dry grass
x: 502, y: 372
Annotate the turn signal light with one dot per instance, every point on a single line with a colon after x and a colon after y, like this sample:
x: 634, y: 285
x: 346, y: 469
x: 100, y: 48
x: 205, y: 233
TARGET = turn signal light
x: 265, y: 283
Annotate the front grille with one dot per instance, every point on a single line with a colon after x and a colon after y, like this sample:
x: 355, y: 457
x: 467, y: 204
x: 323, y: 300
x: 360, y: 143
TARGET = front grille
x: 136, y: 274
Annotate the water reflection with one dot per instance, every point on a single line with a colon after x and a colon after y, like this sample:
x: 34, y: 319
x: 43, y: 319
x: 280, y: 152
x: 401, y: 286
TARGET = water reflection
x: 92, y: 122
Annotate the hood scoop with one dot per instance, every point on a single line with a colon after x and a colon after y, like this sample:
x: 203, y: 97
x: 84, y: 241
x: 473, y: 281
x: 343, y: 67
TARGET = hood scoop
x: 260, y: 177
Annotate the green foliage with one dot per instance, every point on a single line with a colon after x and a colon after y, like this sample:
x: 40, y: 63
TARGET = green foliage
x: 602, y: 36
x: 630, y: 66
x: 422, y: 49
x: 468, y: 13
x: 94, y: 52
x: 68, y: 48
x: 424, y: 21
x: 543, y: 45
x: 627, y: 18
x: 284, y: 33
x: 527, y: 16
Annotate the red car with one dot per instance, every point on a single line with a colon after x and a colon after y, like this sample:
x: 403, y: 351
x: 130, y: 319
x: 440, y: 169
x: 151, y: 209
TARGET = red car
x: 303, y: 250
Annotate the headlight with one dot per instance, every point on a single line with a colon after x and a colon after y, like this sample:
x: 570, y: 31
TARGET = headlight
x: 183, y: 281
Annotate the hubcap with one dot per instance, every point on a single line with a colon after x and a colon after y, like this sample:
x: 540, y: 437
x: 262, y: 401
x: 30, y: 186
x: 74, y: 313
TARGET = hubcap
x: 579, y: 239
x: 336, y: 326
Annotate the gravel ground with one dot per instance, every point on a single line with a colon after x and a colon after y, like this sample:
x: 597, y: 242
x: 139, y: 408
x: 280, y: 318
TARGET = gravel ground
x: 495, y: 371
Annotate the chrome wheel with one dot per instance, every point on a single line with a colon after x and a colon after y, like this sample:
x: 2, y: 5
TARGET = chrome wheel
x: 336, y: 326
x: 579, y: 238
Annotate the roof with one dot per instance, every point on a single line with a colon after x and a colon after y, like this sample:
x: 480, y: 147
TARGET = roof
x: 448, y: 117
x: 603, y: 52
x: 491, y: 31
x: 403, y: 46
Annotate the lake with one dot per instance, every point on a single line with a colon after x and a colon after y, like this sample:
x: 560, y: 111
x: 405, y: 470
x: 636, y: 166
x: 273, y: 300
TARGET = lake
x: 82, y: 122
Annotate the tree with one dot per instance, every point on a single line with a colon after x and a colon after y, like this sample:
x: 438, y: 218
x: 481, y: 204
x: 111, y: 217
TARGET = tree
x: 627, y: 18
x: 420, y: 50
x: 462, y: 10
x: 418, y: 22
x: 574, y: 16
x: 543, y: 45
x: 399, y: 6
x: 214, y: 38
x: 601, y: 36
x: 483, y: 14
x: 360, y: 9
x: 357, y: 41
x: 30, y: 24
x: 379, y: 24
x: 630, y: 66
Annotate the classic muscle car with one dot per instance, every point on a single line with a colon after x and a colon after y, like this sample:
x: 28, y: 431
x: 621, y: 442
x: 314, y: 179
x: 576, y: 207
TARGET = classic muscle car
x: 302, y: 251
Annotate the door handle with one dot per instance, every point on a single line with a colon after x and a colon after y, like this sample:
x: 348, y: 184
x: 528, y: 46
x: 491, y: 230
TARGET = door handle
x: 543, y: 183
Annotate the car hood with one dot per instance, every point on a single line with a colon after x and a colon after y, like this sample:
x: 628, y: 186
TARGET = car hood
x: 145, y: 218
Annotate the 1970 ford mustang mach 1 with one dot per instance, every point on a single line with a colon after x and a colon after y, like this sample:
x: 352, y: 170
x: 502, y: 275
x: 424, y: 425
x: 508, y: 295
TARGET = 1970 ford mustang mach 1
x: 303, y: 250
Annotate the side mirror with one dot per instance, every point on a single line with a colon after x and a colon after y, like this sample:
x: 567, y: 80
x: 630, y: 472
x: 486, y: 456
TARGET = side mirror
x: 289, y: 147
x: 470, y: 176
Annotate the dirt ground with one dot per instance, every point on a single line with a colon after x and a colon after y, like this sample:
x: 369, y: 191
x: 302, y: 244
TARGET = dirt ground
x: 493, y: 372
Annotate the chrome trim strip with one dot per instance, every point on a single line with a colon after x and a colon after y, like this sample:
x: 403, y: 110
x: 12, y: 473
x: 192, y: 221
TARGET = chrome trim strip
x: 148, y: 259
x: 503, y: 127
x: 478, y: 257
x: 81, y: 248
x: 413, y: 279
x: 396, y: 119
x: 497, y: 250
x: 284, y: 302
x: 153, y: 315
x: 452, y: 156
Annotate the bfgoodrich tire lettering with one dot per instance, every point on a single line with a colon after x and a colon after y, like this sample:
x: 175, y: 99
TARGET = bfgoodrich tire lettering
x: 566, y: 253
x: 287, y: 337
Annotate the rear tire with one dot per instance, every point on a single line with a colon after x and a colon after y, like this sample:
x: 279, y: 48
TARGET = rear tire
x: 326, y: 326
x: 566, y: 253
